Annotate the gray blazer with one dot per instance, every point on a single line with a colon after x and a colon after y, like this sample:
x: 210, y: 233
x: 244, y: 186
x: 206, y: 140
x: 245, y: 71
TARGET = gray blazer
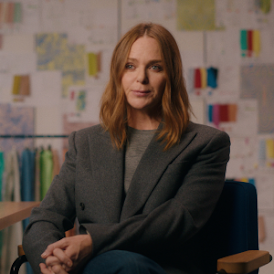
x: 171, y: 197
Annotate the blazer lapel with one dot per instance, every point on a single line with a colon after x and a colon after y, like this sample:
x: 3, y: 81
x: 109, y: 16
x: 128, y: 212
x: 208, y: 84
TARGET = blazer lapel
x: 150, y: 169
x: 108, y: 165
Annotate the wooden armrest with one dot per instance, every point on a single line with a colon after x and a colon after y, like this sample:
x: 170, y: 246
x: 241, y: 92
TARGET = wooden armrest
x: 244, y: 262
x: 21, y: 251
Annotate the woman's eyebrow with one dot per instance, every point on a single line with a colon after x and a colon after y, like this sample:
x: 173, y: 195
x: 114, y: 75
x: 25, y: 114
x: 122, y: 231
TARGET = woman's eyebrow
x: 150, y: 62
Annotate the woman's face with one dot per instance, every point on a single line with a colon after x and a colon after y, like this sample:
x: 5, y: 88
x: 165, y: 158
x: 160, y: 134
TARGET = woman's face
x: 144, y: 78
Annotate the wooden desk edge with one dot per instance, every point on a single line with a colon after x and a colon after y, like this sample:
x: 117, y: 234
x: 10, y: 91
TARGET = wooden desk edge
x: 22, y: 213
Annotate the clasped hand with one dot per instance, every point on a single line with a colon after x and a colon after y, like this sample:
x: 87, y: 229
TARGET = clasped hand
x: 66, y: 255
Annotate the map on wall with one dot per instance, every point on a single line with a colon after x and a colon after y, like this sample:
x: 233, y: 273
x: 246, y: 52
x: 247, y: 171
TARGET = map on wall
x: 16, y: 121
x: 257, y: 82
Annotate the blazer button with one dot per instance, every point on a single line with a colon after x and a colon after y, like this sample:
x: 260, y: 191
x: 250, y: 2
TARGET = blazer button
x: 82, y: 205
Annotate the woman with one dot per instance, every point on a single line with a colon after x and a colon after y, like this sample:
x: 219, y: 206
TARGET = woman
x: 143, y: 183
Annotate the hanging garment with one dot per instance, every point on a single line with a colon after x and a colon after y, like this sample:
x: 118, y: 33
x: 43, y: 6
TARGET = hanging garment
x: 2, y: 167
x: 12, y: 235
x: 46, y: 167
x: 56, y: 163
x: 27, y: 178
x: 27, y: 175
x: 37, y: 195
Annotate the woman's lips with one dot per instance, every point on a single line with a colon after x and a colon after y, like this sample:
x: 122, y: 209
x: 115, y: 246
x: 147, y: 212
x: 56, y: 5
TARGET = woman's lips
x: 141, y: 92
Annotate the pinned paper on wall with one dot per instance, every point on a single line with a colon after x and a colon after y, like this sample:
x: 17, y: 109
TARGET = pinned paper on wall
x: 94, y: 63
x: 55, y: 53
x: 10, y: 12
x: 21, y: 87
x: 265, y: 190
x: 250, y: 41
x: 196, y: 15
x: 202, y: 78
x: 243, y: 159
x: 82, y: 104
x: 266, y: 153
x: 219, y: 113
x: 265, y: 5
x: 257, y: 82
x: 16, y: 120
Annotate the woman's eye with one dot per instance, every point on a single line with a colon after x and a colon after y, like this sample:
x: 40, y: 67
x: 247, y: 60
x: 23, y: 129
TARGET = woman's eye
x: 157, y: 68
x: 129, y: 66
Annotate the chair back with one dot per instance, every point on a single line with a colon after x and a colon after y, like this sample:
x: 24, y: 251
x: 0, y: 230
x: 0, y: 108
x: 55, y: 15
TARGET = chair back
x: 233, y: 226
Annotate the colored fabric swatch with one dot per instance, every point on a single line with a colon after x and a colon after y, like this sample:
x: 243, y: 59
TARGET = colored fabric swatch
x: 270, y: 148
x: 212, y: 75
x: 197, y: 78
x: 210, y: 113
x: 232, y: 112
x: 243, y: 42
x: 46, y: 167
x: 27, y: 175
x: 252, y: 181
x: 249, y: 43
x: 190, y: 82
x: 21, y: 85
x: 16, y: 84
x: 265, y: 6
x: 24, y: 85
x: 10, y: 11
x: 3, y: 12
x: 224, y: 115
x: 17, y: 13
x: 92, y: 64
x: 203, y: 77
x: 216, y: 115
x: 256, y: 42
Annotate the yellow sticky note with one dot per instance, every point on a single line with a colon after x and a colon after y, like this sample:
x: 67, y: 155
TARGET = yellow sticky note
x: 16, y: 84
x: 92, y: 64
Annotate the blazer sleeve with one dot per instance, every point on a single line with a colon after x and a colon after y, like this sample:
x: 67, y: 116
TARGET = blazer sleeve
x: 56, y: 213
x: 177, y: 220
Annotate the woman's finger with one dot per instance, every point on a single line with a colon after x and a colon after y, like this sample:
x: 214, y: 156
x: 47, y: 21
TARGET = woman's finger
x: 44, y: 269
x: 62, y: 244
x: 63, y: 258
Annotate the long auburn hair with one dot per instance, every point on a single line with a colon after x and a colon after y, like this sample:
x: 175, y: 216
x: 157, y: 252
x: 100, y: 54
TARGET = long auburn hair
x: 175, y: 106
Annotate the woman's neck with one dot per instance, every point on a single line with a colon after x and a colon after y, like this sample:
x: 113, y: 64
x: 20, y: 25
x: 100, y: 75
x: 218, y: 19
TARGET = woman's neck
x: 143, y: 121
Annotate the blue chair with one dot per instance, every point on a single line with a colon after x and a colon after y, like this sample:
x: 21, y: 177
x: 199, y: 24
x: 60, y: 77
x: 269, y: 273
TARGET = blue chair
x: 232, y: 229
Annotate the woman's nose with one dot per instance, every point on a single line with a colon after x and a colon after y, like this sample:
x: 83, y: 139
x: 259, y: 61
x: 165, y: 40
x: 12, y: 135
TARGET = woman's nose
x: 142, y: 76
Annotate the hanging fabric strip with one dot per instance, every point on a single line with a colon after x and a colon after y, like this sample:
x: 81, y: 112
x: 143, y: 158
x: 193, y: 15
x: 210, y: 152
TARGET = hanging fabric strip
x: 249, y: 43
x: 203, y: 77
x: 224, y: 116
x: 243, y: 42
x: 197, y: 78
x: 270, y: 148
x: 210, y: 113
x: 212, y: 74
x: 256, y: 43
x: 232, y: 112
x: 216, y: 115
x: 46, y: 167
